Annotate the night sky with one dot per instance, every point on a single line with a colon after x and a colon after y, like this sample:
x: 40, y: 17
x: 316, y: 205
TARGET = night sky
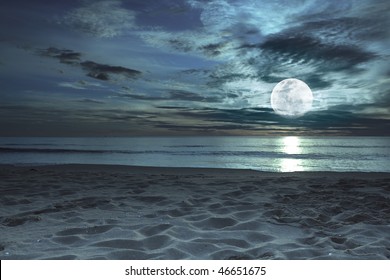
x: 192, y: 67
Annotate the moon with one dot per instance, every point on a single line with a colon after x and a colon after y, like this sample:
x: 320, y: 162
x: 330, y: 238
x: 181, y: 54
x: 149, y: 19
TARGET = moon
x: 291, y: 98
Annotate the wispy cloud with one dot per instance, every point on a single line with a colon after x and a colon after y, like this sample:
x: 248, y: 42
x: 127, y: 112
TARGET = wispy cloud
x: 305, y: 49
x: 72, y: 85
x: 197, y: 43
x: 174, y: 95
x: 90, y: 101
x: 104, y: 19
x: 80, y: 85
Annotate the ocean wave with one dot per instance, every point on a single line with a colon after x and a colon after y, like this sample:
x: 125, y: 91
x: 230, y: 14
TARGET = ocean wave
x: 56, y: 150
x: 249, y: 154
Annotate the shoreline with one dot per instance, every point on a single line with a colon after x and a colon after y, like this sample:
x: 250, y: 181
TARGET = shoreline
x: 132, y: 212
x: 161, y: 169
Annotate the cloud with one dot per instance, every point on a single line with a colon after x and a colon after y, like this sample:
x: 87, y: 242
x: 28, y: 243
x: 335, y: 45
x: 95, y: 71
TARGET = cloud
x: 199, y: 43
x: 93, y: 69
x: 338, y: 120
x: 81, y: 85
x: 191, y: 96
x: 72, y: 120
x: 104, y: 19
x: 141, y: 96
x: 327, y: 44
x: 307, y: 49
x: 287, y: 55
x: 90, y: 101
x: 347, y: 30
x: 217, y: 129
x: 247, y: 47
x: 63, y: 55
x: 103, y: 71
x: 265, y: 17
x: 213, y: 49
x: 72, y: 85
x: 174, y: 95
x: 98, y: 120
x: 171, y: 107
x: 260, y: 43
x: 234, y: 53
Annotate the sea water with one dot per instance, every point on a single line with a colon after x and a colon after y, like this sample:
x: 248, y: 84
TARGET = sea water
x: 280, y: 154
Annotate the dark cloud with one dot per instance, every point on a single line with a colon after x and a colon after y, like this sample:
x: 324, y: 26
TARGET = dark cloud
x: 291, y: 52
x: 170, y: 107
x: 197, y: 72
x: 122, y: 116
x: 92, y: 101
x: 316, y: 81
x: 218, y: 78
x: 141, y: 97
x: 307, y: 49
x: 191, y: 96
x: 349, y: 28
x: 180, y: 45
x: 41, y: 120
x: 383, y: 99
x: 175, y: 95
x: 342, y: 120
x: 103, y: 71
x: 339, y: 120
x: 213, y: 49
x: 348, y: 123
x: 239, y: 116
x: 205, y: 128
x: 63, y: 55
x: 93, y: 69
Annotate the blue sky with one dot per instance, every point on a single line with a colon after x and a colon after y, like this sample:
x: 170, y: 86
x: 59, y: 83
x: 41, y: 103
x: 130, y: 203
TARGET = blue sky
x: 192, y: 67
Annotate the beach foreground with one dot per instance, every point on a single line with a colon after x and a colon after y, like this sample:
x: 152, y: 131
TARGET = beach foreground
x: 122, y: 212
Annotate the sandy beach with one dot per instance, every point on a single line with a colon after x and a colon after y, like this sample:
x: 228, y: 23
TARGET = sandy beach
x: 122, y: 212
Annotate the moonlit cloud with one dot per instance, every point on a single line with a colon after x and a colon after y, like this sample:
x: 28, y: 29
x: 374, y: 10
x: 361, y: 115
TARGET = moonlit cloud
x: 80, y: 85
x: 71, y: 85
x: 258, y: 44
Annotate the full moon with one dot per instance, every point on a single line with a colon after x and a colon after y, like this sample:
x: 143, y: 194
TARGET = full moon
x: 291, y: 98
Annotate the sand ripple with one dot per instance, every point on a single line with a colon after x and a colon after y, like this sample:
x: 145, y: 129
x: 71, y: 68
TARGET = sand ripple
x: 87, y: 212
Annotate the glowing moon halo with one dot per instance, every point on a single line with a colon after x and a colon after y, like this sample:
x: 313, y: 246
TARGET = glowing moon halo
x: 291, y: 98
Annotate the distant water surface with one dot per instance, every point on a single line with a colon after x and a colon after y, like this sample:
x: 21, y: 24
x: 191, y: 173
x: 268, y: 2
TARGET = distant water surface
x: 280, y: 154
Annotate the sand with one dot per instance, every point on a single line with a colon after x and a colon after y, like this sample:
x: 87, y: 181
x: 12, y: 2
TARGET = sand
x: 122, y: 212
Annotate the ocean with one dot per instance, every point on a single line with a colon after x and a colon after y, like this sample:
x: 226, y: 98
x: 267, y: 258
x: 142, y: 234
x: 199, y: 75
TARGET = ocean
x: 278, y: 154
